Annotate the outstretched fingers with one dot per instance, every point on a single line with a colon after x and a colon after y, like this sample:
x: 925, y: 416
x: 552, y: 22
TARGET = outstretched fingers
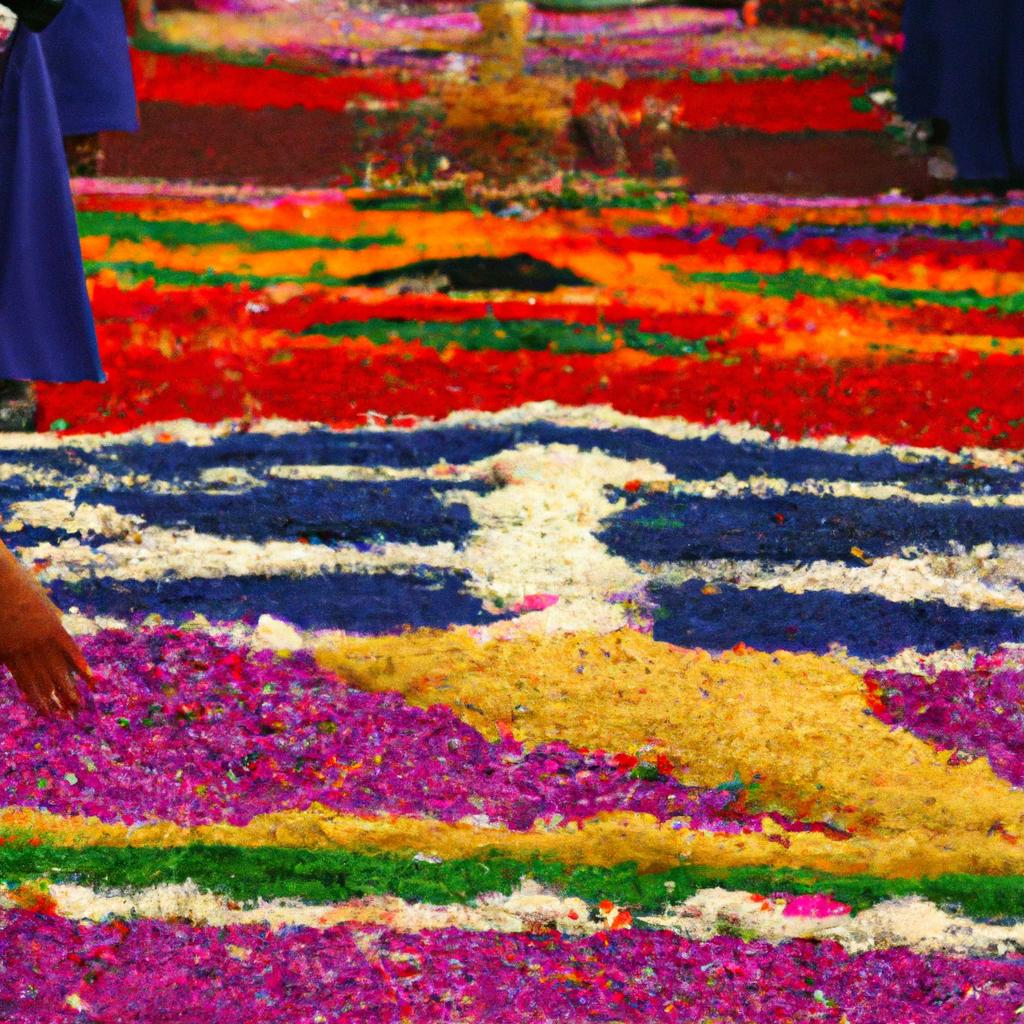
x: 61, y: 675
x: 29, y: 680
x: 44, y: 676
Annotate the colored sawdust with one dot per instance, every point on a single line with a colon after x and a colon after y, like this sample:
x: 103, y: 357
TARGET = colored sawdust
x: 797, y: 725
x: 521, y: 123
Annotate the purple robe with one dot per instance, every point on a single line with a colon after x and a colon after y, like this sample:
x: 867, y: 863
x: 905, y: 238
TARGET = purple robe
x: 86, y: 48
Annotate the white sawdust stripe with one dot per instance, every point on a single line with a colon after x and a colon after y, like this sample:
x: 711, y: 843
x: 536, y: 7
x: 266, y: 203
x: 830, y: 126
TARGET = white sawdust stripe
x: 219, y: 479
x: 537, y: 533
x: 238, y: 479
x: 726, y: 486
x: 155, y: 553
x: 593, y: 416
x: 730, y: 486
x: 528, y: 909
x: 547, y: 549
x: 184, y: 431
x: 359, y: 474
x: 674, y: 427
x: 911, y: 922
x: 39, y: 477
x: 274, y: 634
x: 977, y: 580
x: 269, y: 633
x: 71, y: 517
x: 930, y: 663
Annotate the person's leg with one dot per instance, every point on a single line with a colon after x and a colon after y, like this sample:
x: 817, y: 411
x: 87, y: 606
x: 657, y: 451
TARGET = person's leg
x: 46, y: 324
x: 90, y: 69
x: 13, y: 393
x: 34, y: 646
x: 1014, y: 92
x: 918, y: 70
x: 972, y: 86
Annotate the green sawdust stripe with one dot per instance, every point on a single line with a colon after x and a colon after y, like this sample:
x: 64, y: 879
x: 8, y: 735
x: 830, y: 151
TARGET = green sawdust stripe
x: 248, y: 874
x: 516, y: 336
x: 134, y: 272
x: 133, y: 228
x: 585, y: 194
x: 146, y: 41
x: 163, y: 277
x: 129, y: 227
x: 793, y: 283
x: 870, y: 72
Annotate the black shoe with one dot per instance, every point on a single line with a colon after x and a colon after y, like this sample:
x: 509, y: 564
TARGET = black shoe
x: 17, y: 407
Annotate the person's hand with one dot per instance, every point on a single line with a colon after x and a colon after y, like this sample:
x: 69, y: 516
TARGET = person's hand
x: 34, y: 645
x: 45, y: 669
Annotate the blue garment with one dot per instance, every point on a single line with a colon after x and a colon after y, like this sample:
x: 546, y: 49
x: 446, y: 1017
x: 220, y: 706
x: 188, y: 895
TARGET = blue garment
x: 917, y: 83
x: 46, y: 325
x: 86, y: 50
x: 964, y: 63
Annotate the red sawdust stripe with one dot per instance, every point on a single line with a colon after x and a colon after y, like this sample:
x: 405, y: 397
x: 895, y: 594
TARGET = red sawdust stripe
x: 253, y: 307
x: 200, y: 81
x: 185, y: 308
x: 942, y: 401
x: 770, y: 105
x: 767, y: 105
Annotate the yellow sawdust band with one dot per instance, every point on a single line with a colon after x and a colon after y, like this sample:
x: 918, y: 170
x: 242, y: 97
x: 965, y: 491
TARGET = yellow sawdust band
x: 797, y: 723
x: 602, y: 842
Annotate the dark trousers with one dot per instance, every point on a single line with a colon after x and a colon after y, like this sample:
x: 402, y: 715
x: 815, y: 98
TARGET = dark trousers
x: 963, y: 62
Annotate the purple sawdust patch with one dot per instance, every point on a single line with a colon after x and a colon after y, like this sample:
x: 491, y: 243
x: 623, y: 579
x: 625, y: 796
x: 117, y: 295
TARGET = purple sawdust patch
x: 974, y: 713
x: 146, y: 971
x: 190, y: 728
